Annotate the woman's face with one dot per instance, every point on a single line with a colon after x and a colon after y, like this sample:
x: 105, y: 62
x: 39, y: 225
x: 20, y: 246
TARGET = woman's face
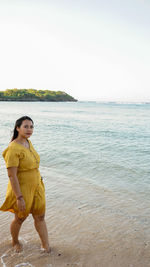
x: 26, y: 129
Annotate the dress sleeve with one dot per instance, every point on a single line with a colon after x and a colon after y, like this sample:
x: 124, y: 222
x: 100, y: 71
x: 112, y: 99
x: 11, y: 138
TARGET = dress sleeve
x: 11, y: 157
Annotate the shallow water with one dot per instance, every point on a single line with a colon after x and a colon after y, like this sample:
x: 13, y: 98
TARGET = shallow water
x: 95, y: 163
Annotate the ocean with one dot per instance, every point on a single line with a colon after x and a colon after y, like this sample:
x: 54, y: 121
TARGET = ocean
x: 95, y: 160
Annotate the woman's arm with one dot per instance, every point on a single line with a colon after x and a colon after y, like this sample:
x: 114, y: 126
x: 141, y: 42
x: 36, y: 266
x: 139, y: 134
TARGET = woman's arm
x: 12, y: 173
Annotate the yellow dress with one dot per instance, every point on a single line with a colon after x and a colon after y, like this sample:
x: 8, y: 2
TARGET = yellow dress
x: 31, y: 184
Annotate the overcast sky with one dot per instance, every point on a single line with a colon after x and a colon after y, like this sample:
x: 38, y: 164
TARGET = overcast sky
x: 92, y: 50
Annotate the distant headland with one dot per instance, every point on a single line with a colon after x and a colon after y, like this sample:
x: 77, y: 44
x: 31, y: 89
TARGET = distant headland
x: 35, y: 95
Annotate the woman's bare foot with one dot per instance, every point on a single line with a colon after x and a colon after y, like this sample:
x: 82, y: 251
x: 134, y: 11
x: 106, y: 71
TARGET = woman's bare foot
x: 46, y: 249
x: 18, y: 247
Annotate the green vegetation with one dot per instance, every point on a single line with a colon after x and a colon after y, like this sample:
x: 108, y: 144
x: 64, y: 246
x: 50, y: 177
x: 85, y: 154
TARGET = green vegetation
x: 34, y: 95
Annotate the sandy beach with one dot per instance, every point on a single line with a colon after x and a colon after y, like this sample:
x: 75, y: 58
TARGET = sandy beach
x: 74, y: 245
x: 81, y: 235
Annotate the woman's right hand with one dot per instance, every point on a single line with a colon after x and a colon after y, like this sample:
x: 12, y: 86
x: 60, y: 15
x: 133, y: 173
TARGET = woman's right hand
x: 21, y: 204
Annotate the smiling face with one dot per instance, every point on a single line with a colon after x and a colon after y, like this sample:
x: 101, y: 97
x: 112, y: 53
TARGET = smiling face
x: 26, y: 129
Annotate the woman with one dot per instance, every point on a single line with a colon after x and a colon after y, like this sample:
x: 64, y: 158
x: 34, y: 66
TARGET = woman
x: 25, y: 191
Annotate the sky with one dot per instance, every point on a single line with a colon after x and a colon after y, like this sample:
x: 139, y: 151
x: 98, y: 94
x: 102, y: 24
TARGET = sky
x: 97, y: 50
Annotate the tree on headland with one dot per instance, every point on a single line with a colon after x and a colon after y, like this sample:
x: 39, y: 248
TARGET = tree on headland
x: 34, y: 95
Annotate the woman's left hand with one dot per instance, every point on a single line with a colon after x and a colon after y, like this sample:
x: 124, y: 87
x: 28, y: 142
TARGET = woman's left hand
x: 21, y: 204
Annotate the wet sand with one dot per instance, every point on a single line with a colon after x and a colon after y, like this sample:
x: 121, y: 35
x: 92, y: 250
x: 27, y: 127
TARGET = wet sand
x: 72, y: 245
x: 88, y: 226
x: 78, y: 238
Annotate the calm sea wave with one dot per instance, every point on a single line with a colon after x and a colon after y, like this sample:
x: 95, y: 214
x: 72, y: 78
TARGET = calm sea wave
x: 93, y: 155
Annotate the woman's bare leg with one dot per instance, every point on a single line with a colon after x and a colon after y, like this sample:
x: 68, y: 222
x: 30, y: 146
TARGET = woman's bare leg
x: 14, y: 229
x: 41, y: 228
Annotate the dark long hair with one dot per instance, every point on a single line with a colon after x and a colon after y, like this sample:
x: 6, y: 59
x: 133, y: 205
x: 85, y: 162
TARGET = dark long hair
x: 18, y: 124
